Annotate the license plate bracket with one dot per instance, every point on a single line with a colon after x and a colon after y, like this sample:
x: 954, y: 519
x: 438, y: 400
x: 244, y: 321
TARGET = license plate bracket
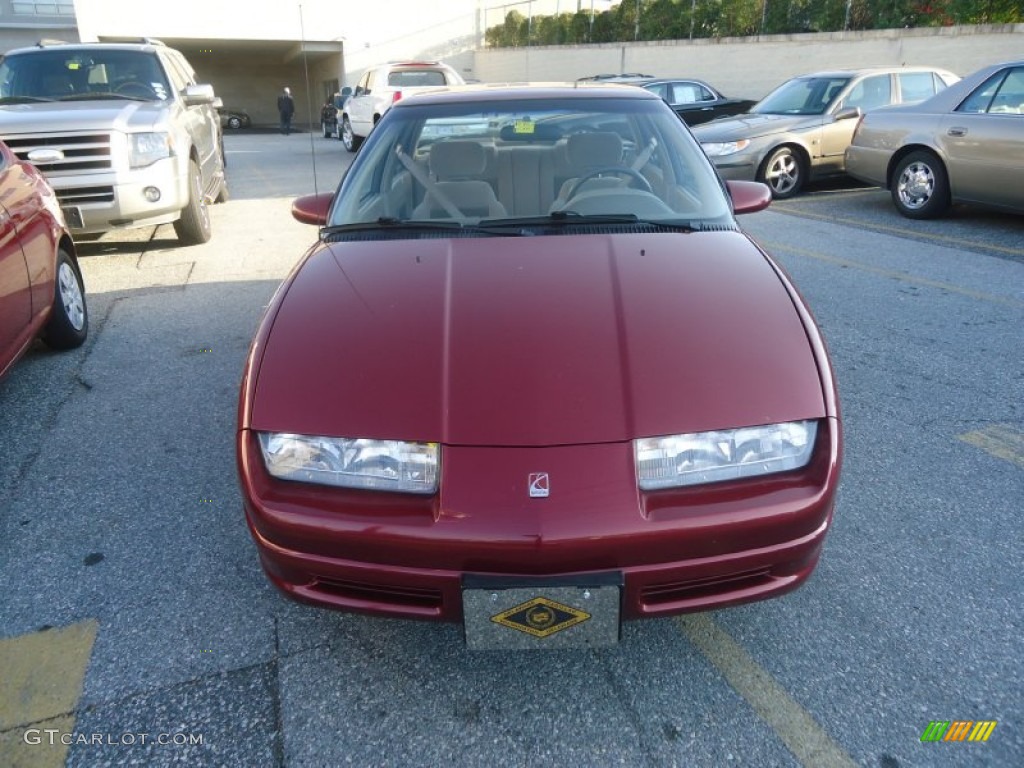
x: 513, y: 613
x: 73, y: 216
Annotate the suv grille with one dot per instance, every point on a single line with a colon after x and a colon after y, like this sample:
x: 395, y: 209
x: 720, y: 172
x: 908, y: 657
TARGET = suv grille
x: 87, y: 152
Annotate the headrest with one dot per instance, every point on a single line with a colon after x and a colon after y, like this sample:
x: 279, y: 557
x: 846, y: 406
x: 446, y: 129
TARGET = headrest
x: 457, y: 159
x: 594, y: 150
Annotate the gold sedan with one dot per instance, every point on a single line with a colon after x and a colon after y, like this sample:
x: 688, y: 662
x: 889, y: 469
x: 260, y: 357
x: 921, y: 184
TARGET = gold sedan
x: 964, y: 145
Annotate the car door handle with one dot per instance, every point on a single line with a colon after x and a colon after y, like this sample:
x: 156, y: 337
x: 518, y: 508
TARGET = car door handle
x: 957, y: 131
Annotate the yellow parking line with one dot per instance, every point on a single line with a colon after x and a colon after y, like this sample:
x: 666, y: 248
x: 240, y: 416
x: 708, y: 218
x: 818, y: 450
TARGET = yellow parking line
x: 41, y: 677
x: 894, y: 275
x: 999, y: 440
x: 792, y: 723
x: 860, y: 223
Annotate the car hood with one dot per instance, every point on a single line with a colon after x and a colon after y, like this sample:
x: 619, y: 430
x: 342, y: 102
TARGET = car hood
x: 752, y: 126
x: 77, y: 116
x: 535, y: 341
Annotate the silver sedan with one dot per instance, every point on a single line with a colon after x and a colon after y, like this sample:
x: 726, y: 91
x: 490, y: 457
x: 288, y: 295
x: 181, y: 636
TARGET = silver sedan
x: 802, y: 128
x: 965, y: 144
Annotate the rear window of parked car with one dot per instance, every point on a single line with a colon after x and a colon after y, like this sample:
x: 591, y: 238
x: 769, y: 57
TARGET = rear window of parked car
x: 916, y: 86
x: 415, y: 78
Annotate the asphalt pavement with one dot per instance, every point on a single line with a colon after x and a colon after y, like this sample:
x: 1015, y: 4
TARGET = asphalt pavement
x: 136, y: 626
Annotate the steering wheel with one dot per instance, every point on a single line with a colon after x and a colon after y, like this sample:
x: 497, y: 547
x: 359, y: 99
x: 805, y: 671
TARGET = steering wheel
x: 136, y: 89
x: 622, y: 170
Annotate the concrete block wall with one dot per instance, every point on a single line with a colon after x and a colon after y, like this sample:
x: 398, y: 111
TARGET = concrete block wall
x: 751, y: 67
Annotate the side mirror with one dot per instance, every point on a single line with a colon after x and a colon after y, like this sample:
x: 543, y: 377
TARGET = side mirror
x: 748, y: 196
x: 312, y: 209
x: 848, y: 113
x: 198, y: 94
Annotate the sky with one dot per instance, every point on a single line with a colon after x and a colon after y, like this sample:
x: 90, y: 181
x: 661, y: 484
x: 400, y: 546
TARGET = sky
x: 358, y: 22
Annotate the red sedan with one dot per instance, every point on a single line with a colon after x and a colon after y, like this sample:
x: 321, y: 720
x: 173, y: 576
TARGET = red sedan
x: 41, y: 290
x: 534, y: 378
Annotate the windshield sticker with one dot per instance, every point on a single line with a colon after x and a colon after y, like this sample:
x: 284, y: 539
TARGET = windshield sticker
x: 524, y: 126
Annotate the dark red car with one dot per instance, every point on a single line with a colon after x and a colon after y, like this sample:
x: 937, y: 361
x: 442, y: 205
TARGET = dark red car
x: 41, y: 290
x: 534, y: 378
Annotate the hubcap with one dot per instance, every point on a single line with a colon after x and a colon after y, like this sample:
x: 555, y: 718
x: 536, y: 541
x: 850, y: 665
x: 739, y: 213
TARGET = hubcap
x: 783, y: 173
x: 71, y: 296
x: 916, y: 185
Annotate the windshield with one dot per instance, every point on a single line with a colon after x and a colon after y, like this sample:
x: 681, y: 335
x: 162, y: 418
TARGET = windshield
x: 67, y: 75
x: 802, y: 96
x: 550, y: 159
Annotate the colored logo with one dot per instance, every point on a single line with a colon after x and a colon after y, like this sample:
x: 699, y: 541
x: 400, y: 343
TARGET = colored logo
x: 540, y: 617
x: 540, y: 485
x: 958, y: 730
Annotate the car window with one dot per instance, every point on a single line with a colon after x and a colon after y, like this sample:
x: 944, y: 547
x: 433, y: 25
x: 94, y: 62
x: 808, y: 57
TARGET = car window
x: 802, y: 96
x: 690, y: 93
x: 661, y: 89
x: 869, y: 93
x: 996, y: 94
x: 83, y: 74
x: 916, y: 86
x: 491, y: 161
x: 414, y: 78
x: 1009, y: 99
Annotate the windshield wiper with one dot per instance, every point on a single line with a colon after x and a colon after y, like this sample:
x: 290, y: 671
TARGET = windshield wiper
x: 573, y: 219
x: 392, y: 224
x: 100, y: 96
x: 22, y: 99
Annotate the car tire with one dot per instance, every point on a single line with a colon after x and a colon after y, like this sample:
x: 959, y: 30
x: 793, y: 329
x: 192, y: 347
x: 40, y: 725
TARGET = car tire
x: 234, y: 122
x: 193, y: 227
x: 784, y: 172
x: 68, y: 325
x: 920, y: 186
x: 349, y: 139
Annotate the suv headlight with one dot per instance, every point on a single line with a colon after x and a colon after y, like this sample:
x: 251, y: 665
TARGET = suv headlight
x: 146, y: 148
x: 720, y: 148
x: 707, y: 457
x: 379, y: 465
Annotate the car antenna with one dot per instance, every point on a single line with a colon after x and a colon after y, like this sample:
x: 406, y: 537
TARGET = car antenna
x: 309, y: 103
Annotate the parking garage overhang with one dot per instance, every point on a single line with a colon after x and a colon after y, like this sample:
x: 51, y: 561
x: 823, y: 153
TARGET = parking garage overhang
x: 249, y: 74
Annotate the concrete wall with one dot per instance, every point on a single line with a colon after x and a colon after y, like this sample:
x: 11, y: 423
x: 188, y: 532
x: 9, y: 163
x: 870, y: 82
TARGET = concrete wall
x: 750, y: 67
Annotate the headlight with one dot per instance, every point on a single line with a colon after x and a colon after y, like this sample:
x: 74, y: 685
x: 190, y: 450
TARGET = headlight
x: 380, y: 465
x: 146, y: 148
x: 707, y: 457
x: 719, y: 148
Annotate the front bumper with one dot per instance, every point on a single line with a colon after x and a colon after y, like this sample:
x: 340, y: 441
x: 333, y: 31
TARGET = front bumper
x: 676, y: 551
x: 100, y: 202
x: 736, y: 167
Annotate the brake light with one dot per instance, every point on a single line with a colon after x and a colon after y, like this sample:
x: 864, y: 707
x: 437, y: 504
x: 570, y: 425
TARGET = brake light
x: 397, y: 95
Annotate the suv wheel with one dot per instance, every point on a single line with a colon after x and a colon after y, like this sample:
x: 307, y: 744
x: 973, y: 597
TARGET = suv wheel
x: 349, y: 139
x: 193, y: 227
x: 234, y: 122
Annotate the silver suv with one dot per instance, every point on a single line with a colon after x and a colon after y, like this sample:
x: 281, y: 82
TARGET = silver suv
x: 122, y: 131
x: 382, y: 86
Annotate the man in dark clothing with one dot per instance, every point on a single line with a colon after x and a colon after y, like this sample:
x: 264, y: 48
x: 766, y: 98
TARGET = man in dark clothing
x: 286, y: 108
